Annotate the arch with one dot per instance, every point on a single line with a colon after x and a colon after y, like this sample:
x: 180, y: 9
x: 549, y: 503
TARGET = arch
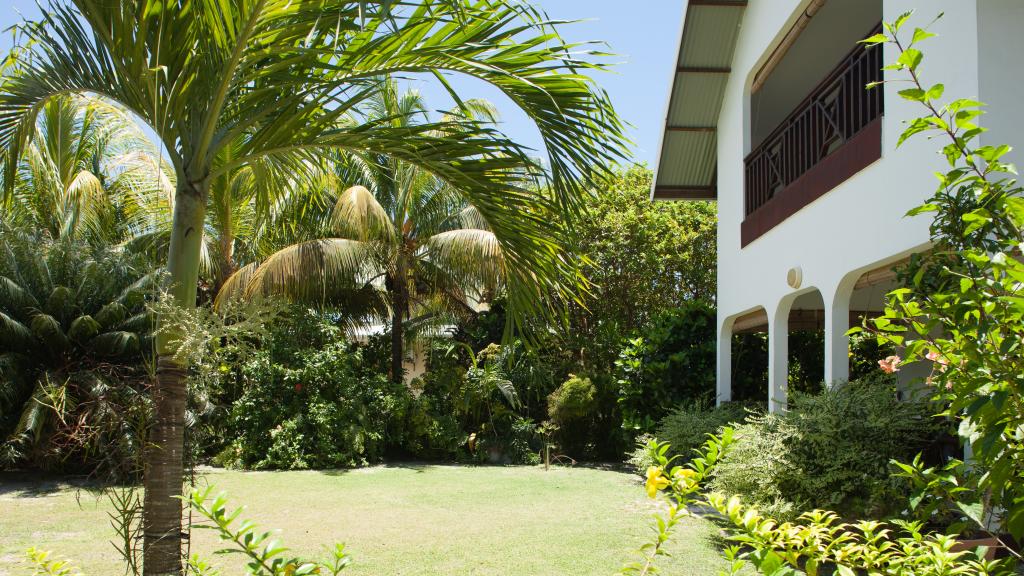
x: 801, y: 310
x: 729, y: 329
x: 859, y: 296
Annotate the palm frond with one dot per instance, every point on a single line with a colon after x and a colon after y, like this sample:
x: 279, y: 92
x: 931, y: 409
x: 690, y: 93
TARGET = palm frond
x: 114, y: 344
x: 359, y: 216
x: 14, y: 335
x: 234, y: 288
x: 50, y: 332
x: 473, y: 257
x: 15, y: 299
x: 319, y: 271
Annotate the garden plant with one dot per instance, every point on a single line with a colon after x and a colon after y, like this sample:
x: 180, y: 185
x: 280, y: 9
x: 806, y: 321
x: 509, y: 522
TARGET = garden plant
x: 225, y: 85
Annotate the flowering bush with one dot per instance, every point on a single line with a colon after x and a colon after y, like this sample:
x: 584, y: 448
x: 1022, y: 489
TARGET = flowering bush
x: 963, y: 308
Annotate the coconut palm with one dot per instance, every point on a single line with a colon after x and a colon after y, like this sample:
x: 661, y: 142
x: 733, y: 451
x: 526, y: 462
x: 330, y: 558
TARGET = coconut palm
x: 412, y: 248
x: 73, y: 329
x: 87, y: 172
x: 234, y: 221
x: 270, y: 79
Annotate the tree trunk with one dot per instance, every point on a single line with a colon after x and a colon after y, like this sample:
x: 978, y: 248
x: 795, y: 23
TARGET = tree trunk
x: 228, y: 266
x: 164, y: 456
x: 399, y: 302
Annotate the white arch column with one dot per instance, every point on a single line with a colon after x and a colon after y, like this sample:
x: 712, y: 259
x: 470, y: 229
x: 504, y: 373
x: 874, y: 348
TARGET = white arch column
x: 723, y: 380
x: 837, y: 343
x: 778, y: 356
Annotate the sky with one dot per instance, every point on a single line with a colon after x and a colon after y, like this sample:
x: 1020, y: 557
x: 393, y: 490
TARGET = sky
x: 644, y: 42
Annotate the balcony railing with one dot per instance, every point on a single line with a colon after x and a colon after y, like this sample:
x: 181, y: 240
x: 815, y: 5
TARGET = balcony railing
x: 833, y: 114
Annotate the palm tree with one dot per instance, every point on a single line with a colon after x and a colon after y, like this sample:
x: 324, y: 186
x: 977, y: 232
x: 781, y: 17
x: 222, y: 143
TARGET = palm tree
x: 87, y: 172
x: 413, y: 248
x: 234, y: 221
x: 270, y: 79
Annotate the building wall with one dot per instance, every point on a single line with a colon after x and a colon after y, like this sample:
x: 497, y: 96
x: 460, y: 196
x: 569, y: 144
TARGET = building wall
x: 860, y: 225
x: 1001, y: 75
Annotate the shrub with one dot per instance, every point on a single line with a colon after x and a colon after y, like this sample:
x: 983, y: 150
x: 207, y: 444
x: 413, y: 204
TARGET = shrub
x: 573, y: 400
x: 760, y: 466
x: 817, y: 542
x: 687, y: 427
x: 640, y: 458
x: 830, y: 449
x: 673, y: 362
x: 320, y: 409
x: 573, y: 409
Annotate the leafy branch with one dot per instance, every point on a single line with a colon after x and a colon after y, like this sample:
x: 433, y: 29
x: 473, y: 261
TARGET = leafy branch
x: 265, y: 554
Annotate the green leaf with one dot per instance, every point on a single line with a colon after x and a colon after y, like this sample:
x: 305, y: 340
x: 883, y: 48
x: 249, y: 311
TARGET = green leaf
x: 920, y: 35
x: 876, y: 39
x: 924, y: 208
x: 902, y: 19
x: 913, y: 94
x: 910, y: 59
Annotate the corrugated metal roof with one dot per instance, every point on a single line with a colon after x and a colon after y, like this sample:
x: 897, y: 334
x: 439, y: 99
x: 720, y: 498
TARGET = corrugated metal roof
x: 698, y: 99
x: 710, y: 35
x: 688, y: 159
x: 688, y: 155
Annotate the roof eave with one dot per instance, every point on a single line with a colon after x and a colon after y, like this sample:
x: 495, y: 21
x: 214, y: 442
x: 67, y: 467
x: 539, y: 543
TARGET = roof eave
x: 698, y: 139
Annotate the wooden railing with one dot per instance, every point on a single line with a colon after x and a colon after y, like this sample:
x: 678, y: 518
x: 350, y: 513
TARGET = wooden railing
x: 837, y: 110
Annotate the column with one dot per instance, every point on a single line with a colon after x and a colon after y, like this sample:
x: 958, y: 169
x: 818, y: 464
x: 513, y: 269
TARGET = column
x: 778, y: 357
x: 837, y: 343
x: 724, y: 367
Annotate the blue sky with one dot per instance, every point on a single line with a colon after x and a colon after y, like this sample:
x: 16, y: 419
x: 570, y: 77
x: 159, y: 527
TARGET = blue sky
x: 644, y: 40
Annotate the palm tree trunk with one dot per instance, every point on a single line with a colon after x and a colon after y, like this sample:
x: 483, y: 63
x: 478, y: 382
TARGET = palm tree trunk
x: 228, y: 266
x: 164, y: 456
x: 399, y: 302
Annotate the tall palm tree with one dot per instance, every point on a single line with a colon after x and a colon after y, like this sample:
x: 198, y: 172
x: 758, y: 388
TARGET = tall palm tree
x: 271, y: 78
x: 412, y: 248
x: 235, y: 219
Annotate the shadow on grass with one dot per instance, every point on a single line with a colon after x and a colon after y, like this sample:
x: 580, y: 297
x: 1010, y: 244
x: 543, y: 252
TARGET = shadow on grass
x: 40, y: 485
x: 418, y: 467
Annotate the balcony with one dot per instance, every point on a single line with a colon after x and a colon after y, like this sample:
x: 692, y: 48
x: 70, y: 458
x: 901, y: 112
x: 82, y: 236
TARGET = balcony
x: 832, y: 134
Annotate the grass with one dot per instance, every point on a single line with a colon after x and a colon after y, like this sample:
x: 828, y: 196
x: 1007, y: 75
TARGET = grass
x: 395, y: 520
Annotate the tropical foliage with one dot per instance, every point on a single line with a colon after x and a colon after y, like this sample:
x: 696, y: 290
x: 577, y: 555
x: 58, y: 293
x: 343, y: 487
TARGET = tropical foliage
x: 413, y: 248
x: 645, y: 258
x: 87, y: 173
x: 311, y: 404
x: 961, y: 311
x: 268, y: 83
x: 75, y: 333
x: 830, y: 450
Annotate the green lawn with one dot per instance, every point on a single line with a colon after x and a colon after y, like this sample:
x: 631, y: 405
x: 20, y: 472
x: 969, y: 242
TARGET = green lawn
x: 395, y: 520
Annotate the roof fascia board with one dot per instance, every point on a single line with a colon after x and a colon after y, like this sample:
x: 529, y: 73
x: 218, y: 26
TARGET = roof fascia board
x: 668, y: 99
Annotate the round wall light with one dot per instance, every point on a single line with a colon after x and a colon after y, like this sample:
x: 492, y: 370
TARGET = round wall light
x: 795, y: 277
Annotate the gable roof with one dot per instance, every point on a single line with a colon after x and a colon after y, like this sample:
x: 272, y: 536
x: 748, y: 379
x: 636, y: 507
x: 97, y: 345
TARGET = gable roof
x: 688, y: 158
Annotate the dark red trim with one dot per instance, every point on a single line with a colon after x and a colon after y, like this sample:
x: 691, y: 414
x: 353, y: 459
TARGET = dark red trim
x: 855, y: 155
x: 702, y: 70
x: 691, y: 128
x: 685, y: 193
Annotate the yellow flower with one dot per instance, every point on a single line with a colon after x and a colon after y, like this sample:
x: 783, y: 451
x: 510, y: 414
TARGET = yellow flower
x: 655, y: 481
x: 686, y: 475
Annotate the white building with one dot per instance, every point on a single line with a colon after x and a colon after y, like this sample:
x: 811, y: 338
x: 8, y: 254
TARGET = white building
x: 768, y: 116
